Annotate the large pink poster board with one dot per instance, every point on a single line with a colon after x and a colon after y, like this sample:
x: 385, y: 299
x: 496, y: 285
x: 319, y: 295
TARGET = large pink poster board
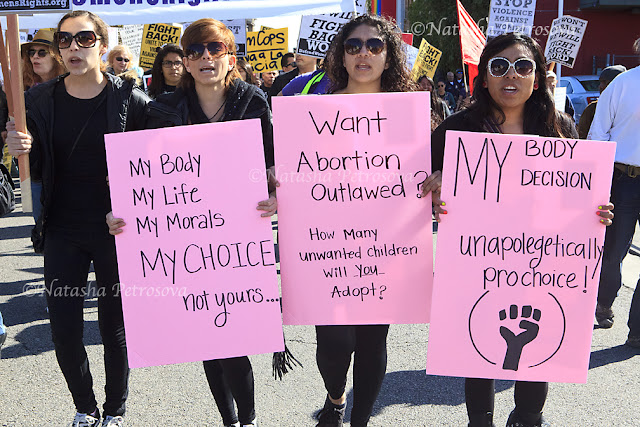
x: 355, y: 237
x: 196, y: 260
x: 518, y: 257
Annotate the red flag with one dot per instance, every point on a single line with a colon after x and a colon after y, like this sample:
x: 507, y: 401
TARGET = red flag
x: 472, y: 42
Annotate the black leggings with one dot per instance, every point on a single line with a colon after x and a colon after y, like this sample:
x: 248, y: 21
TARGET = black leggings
x: 480, y: 394
x: 231, y: 379
x: 335, y: 346
x: 67, y: 258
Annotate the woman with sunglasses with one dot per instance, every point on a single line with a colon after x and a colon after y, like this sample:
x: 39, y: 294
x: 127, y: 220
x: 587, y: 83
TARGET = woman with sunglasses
x: 366, y: 56
x: 167, y: 70
x: 212, y: 91
x: 445, y: 96
x: 510, y: 97
x: 119, y: 59
x: 67, y: 118
x: 39, y: 63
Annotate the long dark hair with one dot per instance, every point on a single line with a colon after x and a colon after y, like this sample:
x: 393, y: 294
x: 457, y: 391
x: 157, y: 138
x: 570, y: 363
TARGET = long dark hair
x: 540, y: 115
x: 156, y: 86
x: 245, y: 65
x: 395, y: 78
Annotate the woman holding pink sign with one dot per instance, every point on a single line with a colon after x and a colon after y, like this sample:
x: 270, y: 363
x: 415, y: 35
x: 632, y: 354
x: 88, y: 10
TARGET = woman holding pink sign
x: 366, y: 56
x: 210, y: 91
x: 510, y: 96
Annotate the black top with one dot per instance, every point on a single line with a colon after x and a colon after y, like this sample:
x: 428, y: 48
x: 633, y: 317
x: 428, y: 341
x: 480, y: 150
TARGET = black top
x: 81, y: 195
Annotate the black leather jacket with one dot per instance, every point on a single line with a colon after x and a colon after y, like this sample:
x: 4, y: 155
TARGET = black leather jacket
x: 126, y: 105
x: 244, y: 101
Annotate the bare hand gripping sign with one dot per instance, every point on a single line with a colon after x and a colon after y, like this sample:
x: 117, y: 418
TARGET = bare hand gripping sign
x: 196, y: 260
x: 518, y: 256
x: 355, y: 237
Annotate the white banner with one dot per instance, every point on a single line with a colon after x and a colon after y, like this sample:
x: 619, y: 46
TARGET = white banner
x: 506, y: 16
x: 564, y: 40
x: 131, y: 35
x: 121, y: 12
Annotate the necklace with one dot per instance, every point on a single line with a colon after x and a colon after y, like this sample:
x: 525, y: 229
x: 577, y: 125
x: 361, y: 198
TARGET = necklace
x: 216, y: 113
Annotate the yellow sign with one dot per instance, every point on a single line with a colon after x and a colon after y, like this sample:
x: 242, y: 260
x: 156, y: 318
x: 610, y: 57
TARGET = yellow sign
x: 266, y: 47
x: 155, y: 36
x: 426, y: 61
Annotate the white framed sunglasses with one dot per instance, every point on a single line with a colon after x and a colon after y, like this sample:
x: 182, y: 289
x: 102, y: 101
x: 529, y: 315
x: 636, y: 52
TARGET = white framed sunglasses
x: 523, y: 67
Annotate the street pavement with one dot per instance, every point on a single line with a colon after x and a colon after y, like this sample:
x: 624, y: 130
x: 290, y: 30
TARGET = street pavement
x: 33, y: 391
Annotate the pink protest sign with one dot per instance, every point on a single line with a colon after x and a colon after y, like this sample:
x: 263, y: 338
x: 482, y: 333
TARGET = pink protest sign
x: 518, y: 256
x: 196, y: 260
x: 355, y: 236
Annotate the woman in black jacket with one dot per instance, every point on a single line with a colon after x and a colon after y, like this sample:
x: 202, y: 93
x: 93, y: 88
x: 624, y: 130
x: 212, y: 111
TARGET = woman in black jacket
x: 510, y: 97
x: 67, y: 118
x: 212, y: 91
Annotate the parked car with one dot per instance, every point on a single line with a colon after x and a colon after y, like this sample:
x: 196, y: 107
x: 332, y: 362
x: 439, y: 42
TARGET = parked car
x: 582, y: 90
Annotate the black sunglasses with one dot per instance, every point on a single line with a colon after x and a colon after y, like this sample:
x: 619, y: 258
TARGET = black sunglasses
x: 196, y: 50
x: 120, y: 58
x: 86, y: 39
x: 374, y: 45
x: 41, y: 53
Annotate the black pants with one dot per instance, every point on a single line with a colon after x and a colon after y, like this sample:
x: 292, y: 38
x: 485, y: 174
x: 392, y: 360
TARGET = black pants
x: 231, y: 379
x: 335, y: 346
x: 480, y: 394
x: 67, y: 258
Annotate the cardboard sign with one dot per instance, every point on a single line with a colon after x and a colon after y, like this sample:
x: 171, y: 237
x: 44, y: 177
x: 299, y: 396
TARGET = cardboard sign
x: 412, y: 55
x: 265, y: 48
x: 426, y: 62
x: 317, y: 32
x: 131, y: 36
x: 560, y: 98
x: 564, y: 40
x: 196, y: 260
x: 355, y: 236
x: 239, y: 29
x: 361, y: 7
x: 508, y: 16
x: 154, y: 37
x: 518, y: 256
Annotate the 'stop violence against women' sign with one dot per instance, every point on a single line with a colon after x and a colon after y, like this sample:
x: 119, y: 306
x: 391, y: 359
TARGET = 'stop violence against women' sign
x: 518, y: 256
x: 196, y: 260
x: 355, y: 236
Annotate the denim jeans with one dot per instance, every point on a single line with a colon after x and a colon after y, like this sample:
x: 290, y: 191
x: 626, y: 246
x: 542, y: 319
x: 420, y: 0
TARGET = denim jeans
x: 625, y: 195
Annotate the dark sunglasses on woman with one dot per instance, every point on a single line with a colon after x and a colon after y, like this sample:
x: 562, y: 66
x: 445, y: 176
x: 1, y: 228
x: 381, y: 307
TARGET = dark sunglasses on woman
x: 196, y: 50
x: 86, y: 39
x: 499, y: 66
x: 41, y: 53
x: 120, y: 59
x: 353, y: 46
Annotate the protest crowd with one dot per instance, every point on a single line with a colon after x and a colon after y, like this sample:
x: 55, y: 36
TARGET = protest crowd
x: 80, y: 86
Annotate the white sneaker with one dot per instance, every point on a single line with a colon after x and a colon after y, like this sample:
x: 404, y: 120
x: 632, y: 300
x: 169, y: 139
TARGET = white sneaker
x: 110, y: 421
x: 253, y: 423
x: 85, y: 420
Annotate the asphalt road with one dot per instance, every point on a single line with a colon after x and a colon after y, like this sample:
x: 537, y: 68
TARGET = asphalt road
x: 33, y: 391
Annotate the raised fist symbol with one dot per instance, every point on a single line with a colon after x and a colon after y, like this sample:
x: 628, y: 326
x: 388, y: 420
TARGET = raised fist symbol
x: 515, y: 343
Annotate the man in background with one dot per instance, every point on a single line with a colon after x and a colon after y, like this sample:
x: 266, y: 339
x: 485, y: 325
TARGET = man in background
x: 617, y: 118
x: 607, y: 75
